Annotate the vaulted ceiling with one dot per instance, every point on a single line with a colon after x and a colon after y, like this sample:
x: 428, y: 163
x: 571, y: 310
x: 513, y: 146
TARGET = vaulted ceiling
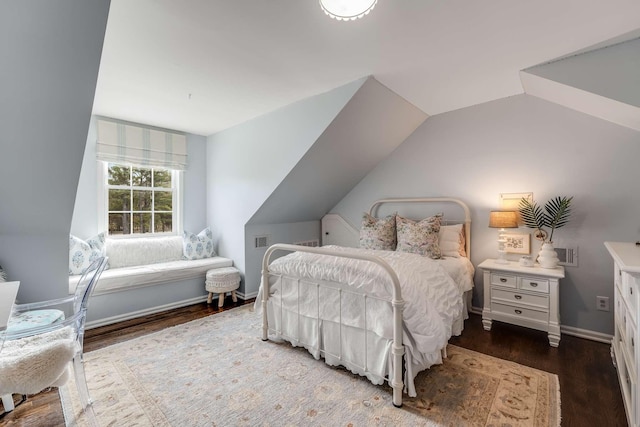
x: 202, y: 66
x: 603, y: 82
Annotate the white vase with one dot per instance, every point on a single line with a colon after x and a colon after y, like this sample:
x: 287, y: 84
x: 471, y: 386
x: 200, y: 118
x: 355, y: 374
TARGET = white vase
x: 547, y: 257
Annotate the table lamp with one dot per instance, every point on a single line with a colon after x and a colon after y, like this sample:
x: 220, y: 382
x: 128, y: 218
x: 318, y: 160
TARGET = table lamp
x: 502, y: 220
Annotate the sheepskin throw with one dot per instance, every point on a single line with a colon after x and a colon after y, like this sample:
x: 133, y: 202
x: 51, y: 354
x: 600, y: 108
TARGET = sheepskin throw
x: 29, y: 365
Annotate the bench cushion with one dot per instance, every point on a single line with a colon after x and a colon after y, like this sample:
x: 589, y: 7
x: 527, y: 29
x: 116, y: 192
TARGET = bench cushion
x: 143, y: 251
x: 119, y: 279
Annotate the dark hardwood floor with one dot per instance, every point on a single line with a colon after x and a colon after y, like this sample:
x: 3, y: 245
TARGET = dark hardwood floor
x: 45, y: 410
x: 589, y: 387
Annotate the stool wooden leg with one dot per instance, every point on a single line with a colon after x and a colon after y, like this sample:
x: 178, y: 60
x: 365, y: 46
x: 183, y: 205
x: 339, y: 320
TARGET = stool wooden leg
x: 220, y: 300
x: 210, y: 298
x: 233, y: 296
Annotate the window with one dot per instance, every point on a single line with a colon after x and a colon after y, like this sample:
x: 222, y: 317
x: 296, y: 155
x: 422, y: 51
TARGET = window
x: 140, y: 200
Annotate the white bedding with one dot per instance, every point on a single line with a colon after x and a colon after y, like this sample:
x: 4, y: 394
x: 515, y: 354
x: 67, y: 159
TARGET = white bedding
x: 461, y: 271
x: 433, y: 303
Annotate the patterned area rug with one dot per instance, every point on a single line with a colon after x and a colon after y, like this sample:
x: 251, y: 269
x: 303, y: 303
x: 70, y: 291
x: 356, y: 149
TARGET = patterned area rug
x: 216, y: 371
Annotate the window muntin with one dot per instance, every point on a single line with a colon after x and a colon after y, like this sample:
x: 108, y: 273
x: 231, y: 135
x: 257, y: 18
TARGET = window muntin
x: 140, y: 200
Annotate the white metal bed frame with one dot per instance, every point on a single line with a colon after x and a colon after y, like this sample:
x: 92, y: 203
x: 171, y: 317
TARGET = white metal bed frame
x: 397, y: 303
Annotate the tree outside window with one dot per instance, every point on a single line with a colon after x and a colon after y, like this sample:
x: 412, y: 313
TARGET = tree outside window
x: 140, y: 200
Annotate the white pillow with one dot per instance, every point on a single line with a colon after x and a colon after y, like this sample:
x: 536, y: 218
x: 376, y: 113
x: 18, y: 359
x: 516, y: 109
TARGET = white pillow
x: 82, y: 254
x: 452, y: 241
x: 128, y: 252
x: 197, y: 246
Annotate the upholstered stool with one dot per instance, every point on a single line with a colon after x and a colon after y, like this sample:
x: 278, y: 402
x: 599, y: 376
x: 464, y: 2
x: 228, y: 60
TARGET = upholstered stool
x: 221, y: 281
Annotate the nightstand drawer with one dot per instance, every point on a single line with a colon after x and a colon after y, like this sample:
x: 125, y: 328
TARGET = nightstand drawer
x: 534, y: 284
x: 516, y: 298
x: 525, y: 313
x: 505, y: 280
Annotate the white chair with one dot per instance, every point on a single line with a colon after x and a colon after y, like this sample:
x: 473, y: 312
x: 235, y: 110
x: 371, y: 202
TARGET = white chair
x: 36, y: 357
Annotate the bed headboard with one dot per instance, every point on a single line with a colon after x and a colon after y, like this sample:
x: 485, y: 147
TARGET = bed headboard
x: 441, y: 200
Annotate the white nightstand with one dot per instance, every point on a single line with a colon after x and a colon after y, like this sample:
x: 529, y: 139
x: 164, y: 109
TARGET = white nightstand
x: 525, y: 296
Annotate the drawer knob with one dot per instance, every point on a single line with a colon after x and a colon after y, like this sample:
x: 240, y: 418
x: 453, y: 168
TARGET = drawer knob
x: 631, y: 291
x: 632, y: 343
x: 503, y: 280
x: 533, y: 284
x: 518, y: 311
x: 517, y: 296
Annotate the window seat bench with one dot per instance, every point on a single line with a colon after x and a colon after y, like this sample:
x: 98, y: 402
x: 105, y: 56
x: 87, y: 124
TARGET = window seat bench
x: 135, y: 263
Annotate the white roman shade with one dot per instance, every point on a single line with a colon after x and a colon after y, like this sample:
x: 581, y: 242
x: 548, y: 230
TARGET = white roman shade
x: 124, y: 143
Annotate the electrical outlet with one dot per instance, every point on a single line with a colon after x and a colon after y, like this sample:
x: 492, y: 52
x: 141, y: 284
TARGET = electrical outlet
x: 602, y: 303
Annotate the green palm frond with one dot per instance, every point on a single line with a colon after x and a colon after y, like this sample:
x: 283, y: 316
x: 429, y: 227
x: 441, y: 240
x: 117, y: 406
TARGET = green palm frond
x: 555, y: 214
x: 558, y: 211
x: 531, y: 214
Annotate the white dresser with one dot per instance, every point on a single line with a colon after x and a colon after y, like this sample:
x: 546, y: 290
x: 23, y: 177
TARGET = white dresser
x: 524, y: 296
x: 626, y: 258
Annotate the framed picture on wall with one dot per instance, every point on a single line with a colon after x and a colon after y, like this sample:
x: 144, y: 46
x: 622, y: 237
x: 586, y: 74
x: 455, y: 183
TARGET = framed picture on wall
x: 517, y: 243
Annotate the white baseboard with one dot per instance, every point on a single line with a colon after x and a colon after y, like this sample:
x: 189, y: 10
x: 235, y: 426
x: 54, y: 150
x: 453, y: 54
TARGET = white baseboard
x: 570, y: 330
x: 476, y: 310
x: 152, y: 310
x: 250, y: 295
x: 587, y: 334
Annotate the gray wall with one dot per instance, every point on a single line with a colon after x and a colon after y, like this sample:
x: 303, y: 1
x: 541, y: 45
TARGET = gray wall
x: 50, y: 58
x: 110, y: 308
x: 522, y: 144
x: 84, y: 222
x: 194, y: 209
x: 246, y: 163
x: 277, y: 233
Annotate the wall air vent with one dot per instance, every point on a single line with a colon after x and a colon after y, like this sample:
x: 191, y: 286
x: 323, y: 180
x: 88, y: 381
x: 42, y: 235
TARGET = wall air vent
x: 261, y: 241
x: 567, y: 256
x: 310, y: 243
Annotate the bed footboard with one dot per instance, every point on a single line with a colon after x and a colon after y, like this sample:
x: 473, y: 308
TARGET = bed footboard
x: 397, y: 349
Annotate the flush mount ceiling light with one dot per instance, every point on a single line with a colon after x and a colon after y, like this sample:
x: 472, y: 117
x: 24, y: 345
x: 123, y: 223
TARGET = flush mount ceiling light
x: 347, y: 10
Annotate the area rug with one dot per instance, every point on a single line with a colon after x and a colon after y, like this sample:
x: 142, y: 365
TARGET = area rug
x: 216, y: 371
